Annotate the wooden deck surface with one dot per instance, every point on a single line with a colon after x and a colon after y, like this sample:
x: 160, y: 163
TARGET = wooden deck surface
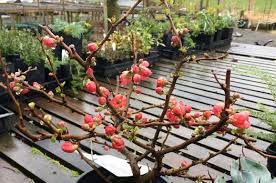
x: 197, y: 87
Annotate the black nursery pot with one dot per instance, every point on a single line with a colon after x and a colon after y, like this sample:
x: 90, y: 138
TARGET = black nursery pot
x: 64, y: 72
x: 271, y: 163
x: 107, y: 69
x: 37, y: 75
x: 92, y: 176
x: 68, y: 40
x: 227, y: 33
x: 6, y: 119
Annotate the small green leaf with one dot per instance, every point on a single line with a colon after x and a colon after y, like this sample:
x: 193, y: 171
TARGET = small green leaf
x: 58, y: 90
x: 53, y: 139
x: 125, y: 126
x: 220, y: 180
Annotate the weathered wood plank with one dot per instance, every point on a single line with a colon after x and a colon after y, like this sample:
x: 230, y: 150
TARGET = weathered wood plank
x: 253, y: 50
x: 37, y: 166
x: 9, y: 173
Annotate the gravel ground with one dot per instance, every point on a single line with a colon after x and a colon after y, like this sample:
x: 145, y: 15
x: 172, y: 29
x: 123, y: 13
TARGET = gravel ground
x: 250, y: 37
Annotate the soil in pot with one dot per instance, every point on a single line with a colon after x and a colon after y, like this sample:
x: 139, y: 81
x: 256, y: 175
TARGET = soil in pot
x: 92, y: 176
x: 271, y: 163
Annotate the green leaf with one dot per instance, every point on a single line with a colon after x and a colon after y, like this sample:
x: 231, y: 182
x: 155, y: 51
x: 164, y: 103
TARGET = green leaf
x: 125, y: 126
x: 248, y: 171
x: 220, y: 180
x: 53, y: 139
x: 58, y: 90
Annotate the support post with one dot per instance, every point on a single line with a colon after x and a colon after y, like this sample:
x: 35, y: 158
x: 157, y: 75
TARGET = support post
x: 105, y: 16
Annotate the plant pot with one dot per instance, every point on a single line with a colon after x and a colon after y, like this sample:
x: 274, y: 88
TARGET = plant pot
x: 271, y: 163
x: 92, y: 176
x: 153, y: 57
x: 167, y: 37
x: 218, y: 35
x: 170, y: 54
x: 107, y: 69
x: 6, y: 119
x: 227, y: 33
x: 37, y: 75
x: 68, y: 40
x: 204, y: 41
x: 64, y: 72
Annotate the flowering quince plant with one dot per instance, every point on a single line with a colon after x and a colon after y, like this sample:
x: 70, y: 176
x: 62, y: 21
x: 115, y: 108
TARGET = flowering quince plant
x: 115, y: 120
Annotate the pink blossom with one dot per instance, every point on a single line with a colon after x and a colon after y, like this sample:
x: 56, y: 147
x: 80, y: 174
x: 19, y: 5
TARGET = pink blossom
x: 136, y: 78
x: 217, y: 109
x: 241, y: 119
x: 125, y: 78
x: 119, y: 101
x: 161, y: 82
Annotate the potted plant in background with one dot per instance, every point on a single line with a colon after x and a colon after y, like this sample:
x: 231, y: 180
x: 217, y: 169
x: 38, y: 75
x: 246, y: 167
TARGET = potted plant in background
x: 116, y: 54
x: 22, y: 50
x: 224, y: 24
x: 72, y: 33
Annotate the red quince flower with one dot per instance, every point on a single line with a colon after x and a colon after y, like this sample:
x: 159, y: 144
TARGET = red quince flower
x: 109, y: 130
x: 135, y: 68
x: 161, y: 82
x: 119, y: 101
x: 118, y: 143
x: 24, y: 91
x: 12, y: 84
x: 102, y: 100
x: 207, y: 114
x: 88, y: 118
x: 68, y: 147
x: 92, y: 47
x: 175, y: 40
x: 217, y: 109
x: 143, y: 63
x: 105, y: 92
x: 49, y: 42
x: 90, y: 86
x: 89, y: 72
x: 125, y: 78
x: 171, y: 116
x: 159, y: 90
x: 188, y: 108
x: 241, y: 119
x: 138, y: 116
x: 136, y: 78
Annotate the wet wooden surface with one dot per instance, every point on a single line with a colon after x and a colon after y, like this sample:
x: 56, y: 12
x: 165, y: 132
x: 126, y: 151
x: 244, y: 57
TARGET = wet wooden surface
x: 197, y: 87
x: 8, y: 173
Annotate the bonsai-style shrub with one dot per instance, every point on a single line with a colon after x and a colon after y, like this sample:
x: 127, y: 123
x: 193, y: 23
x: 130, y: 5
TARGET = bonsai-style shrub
x: 117, y: 123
